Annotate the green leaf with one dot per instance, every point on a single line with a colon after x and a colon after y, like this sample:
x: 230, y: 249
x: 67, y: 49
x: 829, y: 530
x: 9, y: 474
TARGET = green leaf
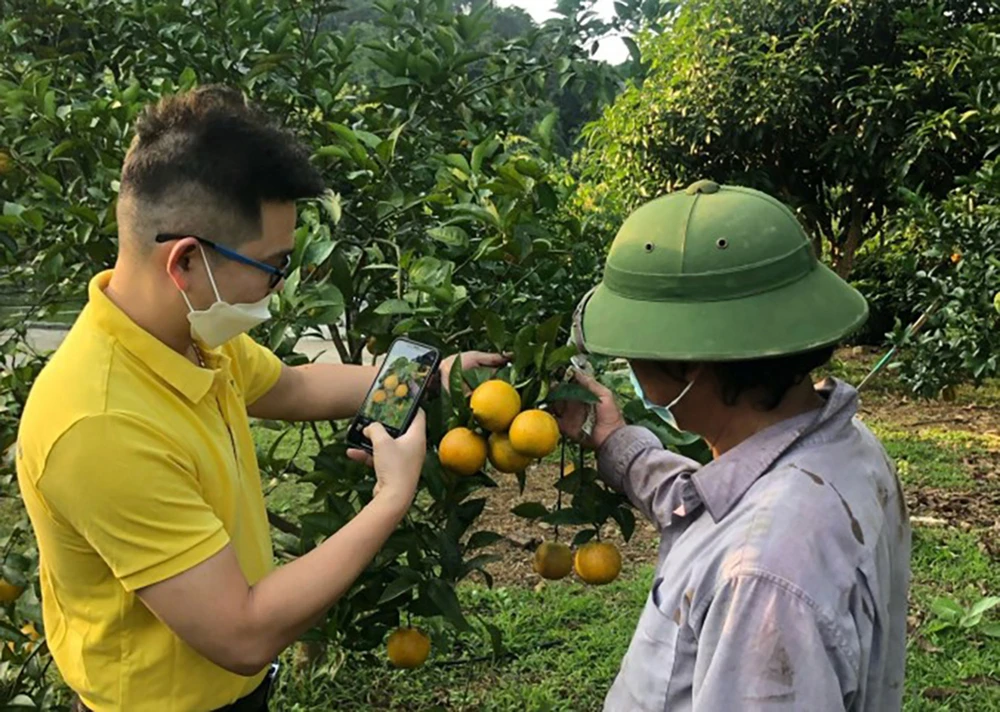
x: 477, y: 212
x: 49, y: 183
x: 187, y: 79
x: 495, y: 330
x: 481, y: 152
x: 947, y: 609
x: 431, y: 272
x: 292, y: 286
x: 393, y: 307
x: 547, y: 197
x: 633, y: 49
x: 443, y: 596
x: 984, y: 605
x: 991, y: 629
x: 545, y: 128
x: 548, y: 330
x: 482, y: 538
x: 560, y: 356
x: 523, y: 353
x: 450, y: 235
x: 530, y: 510
x: 583, y: 536
x: 626, y: 520
x: 496, y: 639
x: 522, y: 480
x: 571, y: 392
x: 456, y: 387
x: 406, y: 581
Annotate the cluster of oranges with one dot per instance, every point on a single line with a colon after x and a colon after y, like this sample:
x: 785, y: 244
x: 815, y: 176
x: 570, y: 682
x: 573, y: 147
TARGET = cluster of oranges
x: 391, y: 388
x: 510, y: 440
x: 596, y: 562
x: 516, y: 437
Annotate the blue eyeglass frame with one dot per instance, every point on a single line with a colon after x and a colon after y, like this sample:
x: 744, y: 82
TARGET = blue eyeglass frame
x: 277, y: 273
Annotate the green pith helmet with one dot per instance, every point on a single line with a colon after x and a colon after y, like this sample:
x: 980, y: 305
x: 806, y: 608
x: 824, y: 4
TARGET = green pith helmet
x: 716, y: 273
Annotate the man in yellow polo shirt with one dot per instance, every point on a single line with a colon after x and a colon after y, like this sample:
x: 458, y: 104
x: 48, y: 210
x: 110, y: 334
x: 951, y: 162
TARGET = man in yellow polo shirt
x: 135, y: 457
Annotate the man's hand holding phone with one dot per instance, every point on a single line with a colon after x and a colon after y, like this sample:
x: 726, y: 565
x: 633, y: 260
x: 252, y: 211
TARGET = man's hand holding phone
x: 397, y: 461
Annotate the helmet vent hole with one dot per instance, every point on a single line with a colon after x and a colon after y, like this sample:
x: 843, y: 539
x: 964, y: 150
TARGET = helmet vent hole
x: 649, y: 247
x: 722, y: 243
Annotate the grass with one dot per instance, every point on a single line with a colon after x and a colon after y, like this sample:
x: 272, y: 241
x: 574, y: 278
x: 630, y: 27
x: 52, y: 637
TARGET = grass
x: 930, y: 457
x: 951, y: 669
x: 565, y: 640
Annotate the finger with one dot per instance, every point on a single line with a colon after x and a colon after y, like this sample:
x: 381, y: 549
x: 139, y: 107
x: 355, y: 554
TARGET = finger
x: 590, y: 383
x: 418, y: 428
x: 481, y: 358
x: 377, y: 434
x: 361, y: 456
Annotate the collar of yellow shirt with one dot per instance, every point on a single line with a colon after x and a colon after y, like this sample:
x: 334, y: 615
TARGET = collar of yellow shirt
x: 192, y: 381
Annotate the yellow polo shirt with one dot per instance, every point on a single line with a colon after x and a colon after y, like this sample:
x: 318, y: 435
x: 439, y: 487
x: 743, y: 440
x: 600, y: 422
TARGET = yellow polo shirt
x: 136, y: 465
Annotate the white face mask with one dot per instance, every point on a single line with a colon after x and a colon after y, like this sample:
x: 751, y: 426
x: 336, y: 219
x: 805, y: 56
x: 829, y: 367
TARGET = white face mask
x: 665, y: 412
x: 224, y: 321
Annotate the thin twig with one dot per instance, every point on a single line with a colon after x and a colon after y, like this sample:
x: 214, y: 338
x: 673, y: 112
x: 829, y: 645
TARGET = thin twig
x: 490, y: 658
x: 282, y: 524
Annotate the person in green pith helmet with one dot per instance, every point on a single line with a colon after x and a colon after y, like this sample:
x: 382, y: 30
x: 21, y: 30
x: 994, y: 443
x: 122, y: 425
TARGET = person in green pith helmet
x: 784, y: 563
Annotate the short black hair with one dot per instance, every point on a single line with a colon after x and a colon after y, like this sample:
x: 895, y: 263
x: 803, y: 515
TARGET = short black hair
x: 772, y: 377
x: 213, y: 137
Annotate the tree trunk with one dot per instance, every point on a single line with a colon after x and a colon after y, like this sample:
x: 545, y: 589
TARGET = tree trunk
x: 852, y: 241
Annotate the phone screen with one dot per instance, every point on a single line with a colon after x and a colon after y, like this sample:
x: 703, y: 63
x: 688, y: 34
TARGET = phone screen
x: 394, y: 397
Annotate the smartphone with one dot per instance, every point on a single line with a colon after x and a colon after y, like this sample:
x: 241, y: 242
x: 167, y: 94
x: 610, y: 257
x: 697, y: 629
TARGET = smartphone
x: 395, y: 395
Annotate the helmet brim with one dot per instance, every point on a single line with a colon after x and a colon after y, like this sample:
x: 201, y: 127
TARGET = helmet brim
x: 816, y: 311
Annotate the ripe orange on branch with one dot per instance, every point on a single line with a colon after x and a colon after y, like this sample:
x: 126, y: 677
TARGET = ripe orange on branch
x: 408, y: 648
x: 495, y: 404
x: 534, y: 433
x: 504, y: 457
x: 598, y: 562
x: 462, y: 451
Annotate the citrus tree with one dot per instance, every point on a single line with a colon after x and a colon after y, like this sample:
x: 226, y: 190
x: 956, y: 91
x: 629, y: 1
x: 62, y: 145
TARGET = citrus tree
x: 830, y: 106
x: 449, y: 219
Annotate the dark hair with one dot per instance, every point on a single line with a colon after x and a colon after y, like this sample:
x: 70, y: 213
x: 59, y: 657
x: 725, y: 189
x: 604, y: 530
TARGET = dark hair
x: 772, y: 377
x: 213, y: 137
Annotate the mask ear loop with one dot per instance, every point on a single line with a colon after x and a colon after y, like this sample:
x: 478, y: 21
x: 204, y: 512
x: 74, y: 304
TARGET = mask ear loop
x: 211, y: 279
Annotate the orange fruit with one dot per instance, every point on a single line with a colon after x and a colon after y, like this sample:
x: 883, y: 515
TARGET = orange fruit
x: 504, y: 457
x: 379, y: 396
x: 5, y: 162
x: 408, y: 648
x: 553, y: 560
x: 372, y: 346
x: 29, y: 630
x: 598, y: 562
x: 534, y: 433
x: 956, y: 257
x: 391, y: 381
x: 495, y: 404
x: 9, y: 592
x: 462, y: 451
x: 401, y: 390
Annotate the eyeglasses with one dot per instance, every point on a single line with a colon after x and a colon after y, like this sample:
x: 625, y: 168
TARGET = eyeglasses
x: 277, y: 273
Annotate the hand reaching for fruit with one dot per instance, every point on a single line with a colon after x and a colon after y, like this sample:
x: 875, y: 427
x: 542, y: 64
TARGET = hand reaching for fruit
x: 470, y: 360
x: 573, y: 414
